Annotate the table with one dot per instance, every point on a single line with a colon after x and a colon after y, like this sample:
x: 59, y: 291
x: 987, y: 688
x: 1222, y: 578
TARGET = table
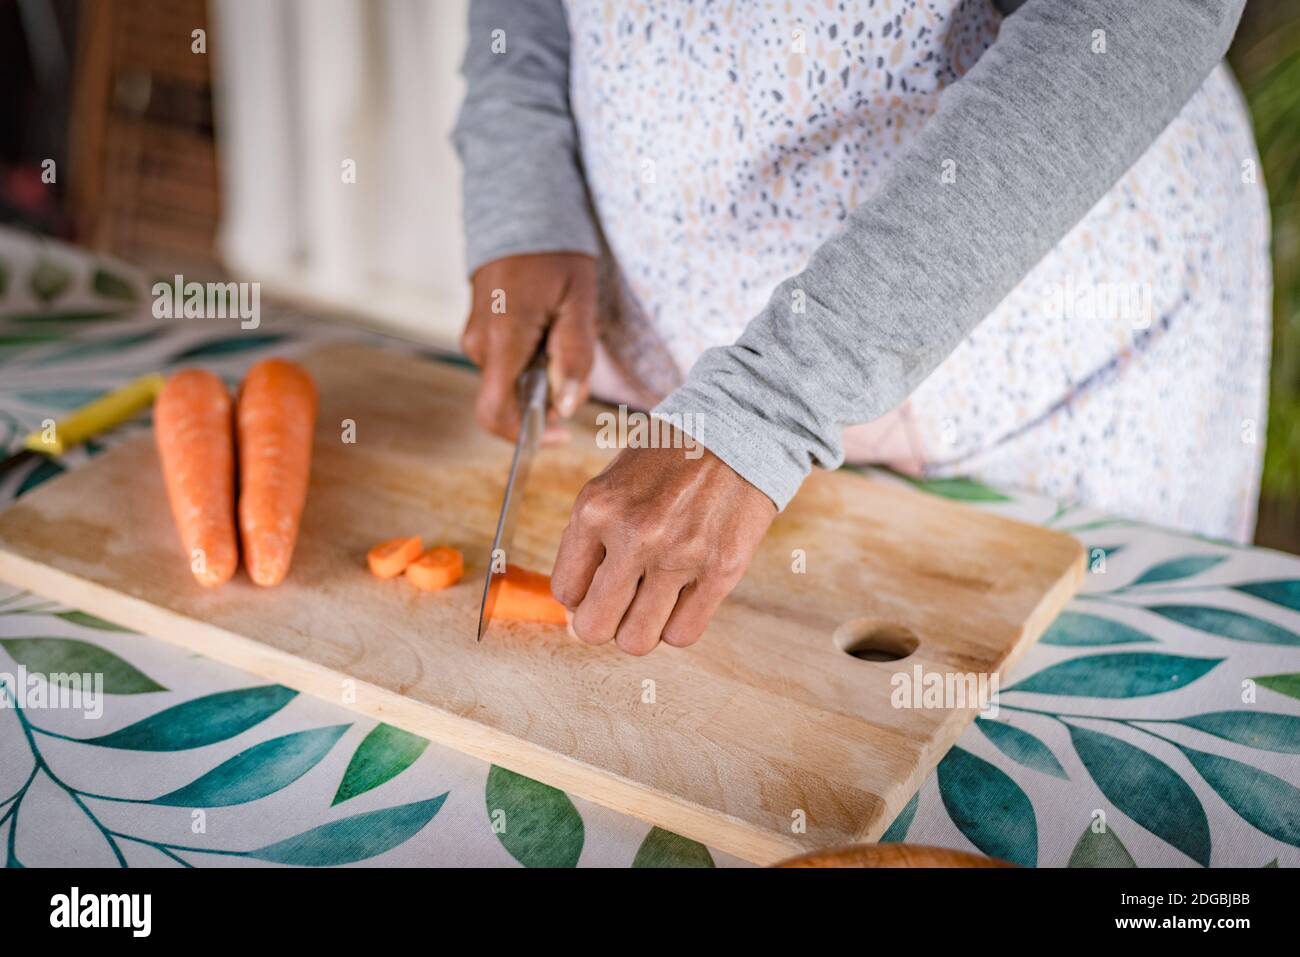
x: 1156, y: 723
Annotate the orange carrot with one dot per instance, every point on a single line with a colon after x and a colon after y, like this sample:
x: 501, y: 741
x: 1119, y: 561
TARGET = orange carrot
x: 526, y: 596
x: 436, y: 569
x: 389, y: 559
x: 276, y: 415
x: 193, y: 426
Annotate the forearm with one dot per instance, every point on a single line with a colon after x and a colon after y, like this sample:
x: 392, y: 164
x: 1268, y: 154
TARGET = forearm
x: 1033, y: 136
x: 522, y: 182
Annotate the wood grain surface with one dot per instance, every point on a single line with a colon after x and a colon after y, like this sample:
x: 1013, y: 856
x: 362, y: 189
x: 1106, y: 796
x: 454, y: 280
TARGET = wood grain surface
x: 765, y: 723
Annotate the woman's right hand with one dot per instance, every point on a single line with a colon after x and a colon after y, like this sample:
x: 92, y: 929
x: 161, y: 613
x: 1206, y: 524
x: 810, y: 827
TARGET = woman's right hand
x: 516, y: 299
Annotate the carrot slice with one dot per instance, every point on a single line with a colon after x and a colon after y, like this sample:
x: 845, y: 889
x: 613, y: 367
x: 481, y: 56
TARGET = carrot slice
x: 526, y: 596
x: 389, y: 559
x: 275, y: 418
x: 193, y: 426
x: 436, y: 569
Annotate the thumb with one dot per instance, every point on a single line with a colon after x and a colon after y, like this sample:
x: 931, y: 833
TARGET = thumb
x: 570, y: 350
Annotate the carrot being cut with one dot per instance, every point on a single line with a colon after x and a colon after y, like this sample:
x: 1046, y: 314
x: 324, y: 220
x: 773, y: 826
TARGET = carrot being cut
x: 436, y: 569
x: 526, y: 596
x: 275, y: 418
x: 194, y: 428
x: 389, y: 559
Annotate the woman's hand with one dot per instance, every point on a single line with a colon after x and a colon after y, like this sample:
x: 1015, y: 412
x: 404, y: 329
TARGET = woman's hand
x: 654, y: 544
x: 662, y: 535
x: 515, y: 300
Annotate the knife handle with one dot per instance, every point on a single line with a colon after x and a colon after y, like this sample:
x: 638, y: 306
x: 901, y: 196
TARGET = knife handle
x: 109, y: 410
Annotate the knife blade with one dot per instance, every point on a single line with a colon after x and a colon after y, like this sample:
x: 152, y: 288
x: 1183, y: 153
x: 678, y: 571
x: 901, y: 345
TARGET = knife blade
x: 532, y: 405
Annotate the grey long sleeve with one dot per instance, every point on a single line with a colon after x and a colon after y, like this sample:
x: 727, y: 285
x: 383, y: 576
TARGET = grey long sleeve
x: 1039, y: 129
x: 522, y: 182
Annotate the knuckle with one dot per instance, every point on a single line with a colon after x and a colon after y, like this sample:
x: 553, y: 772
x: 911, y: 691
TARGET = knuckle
x: 726, y: 569
x: 472, y: 338
x: 696, y: 553
x: 679, y: 559
x: 562, y: 590
x: 469, y: 336
x: 587, y: 632
x: 681, y: 636
x: 637, y: 643
x: 492, y: 421
x: 653, y: 534
x: 593, y: 507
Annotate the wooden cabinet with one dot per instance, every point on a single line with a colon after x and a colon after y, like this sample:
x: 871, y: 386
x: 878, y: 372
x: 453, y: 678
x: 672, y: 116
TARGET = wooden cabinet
x: 144, y: 179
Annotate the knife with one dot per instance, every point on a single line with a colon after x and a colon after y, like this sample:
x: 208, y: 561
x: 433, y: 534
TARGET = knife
x: 106, y: 412
x: 532, y: 405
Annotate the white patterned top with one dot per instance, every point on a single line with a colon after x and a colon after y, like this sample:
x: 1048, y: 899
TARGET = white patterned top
x: 723, y: 143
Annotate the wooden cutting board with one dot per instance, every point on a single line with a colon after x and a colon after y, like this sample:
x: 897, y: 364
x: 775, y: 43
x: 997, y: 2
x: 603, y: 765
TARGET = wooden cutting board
x: 765, y: 739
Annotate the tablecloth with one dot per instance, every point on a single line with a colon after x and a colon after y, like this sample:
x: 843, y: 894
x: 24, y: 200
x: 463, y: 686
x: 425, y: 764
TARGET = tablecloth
x: 1156, y: 723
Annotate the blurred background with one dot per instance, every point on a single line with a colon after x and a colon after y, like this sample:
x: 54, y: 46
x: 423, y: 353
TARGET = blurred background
x: 212, y: 139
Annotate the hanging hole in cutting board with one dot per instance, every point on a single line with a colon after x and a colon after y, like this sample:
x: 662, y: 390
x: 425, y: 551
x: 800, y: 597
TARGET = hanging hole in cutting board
x: 871, y: 639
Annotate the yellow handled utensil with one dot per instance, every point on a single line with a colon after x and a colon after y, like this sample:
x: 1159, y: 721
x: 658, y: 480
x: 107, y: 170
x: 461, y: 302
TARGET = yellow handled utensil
x: 106, y: 412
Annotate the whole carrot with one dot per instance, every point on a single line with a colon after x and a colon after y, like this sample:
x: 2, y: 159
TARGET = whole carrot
x: 275, y: 419
x: 194, y: 430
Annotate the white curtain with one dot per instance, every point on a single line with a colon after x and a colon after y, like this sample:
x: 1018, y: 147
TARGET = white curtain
x: 302, y: 88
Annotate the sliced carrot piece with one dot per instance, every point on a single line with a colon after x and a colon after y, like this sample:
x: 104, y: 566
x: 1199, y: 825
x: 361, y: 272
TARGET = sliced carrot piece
x: 526, y: 596
x: 436, y: 569
x: 389, y: 559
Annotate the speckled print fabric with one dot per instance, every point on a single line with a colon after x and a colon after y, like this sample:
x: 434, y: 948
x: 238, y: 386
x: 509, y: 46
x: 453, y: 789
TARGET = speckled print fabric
x: 719, y: 156
x: 724, y: 142
x: 1156, y: 412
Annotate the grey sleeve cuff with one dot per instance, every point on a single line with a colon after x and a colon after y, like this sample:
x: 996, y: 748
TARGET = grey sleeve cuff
x: 522, y: 180
x: 1033, y: 136
x: 747, y: 441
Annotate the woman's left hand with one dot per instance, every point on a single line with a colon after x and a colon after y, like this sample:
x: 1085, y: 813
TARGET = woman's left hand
x: 655, y: 543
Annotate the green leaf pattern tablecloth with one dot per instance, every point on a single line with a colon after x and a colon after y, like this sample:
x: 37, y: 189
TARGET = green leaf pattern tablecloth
x: 1157, y: 723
